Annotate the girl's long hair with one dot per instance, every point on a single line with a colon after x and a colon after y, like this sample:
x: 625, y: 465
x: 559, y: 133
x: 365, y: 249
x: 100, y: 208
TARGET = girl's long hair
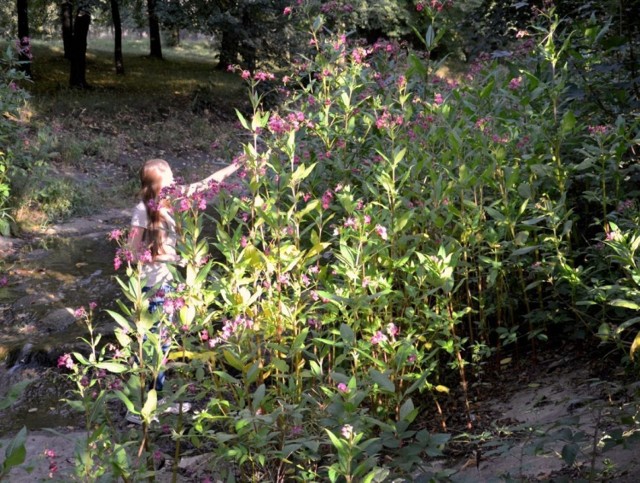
x: 151, y: 186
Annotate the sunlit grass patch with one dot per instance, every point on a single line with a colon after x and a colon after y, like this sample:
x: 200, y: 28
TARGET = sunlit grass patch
x: 176, y: 108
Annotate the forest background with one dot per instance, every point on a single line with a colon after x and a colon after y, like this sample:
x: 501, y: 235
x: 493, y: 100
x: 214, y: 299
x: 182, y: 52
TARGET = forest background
x: 430, y: 191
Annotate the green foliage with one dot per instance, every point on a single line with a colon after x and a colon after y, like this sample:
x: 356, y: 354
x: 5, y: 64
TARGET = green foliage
x: 395, y: 228
x: 15, y: 452
x: 12, y: 101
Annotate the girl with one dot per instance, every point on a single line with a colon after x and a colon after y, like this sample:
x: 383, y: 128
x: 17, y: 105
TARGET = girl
x: 152, y: 240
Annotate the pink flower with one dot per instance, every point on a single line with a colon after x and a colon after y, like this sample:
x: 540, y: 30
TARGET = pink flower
x: 117, y: 263
x: 378, y: 338
x: 326, y: 199
x: 342, y: 387
x: 245, y: 74
x: 350, y: 223
x: 381, y: 231
x: 115, y: 235
x: 93, y: 305
x: 146, y: 257
x: 185, y: 204
x: 168, y: 306
x: 347, y: 431
x: 80, y: 312
x: 392, y: 329
x: 624, y: 206
x: 614, y: 236
x: 53, y: 466
x: 437, y: 99
x: 65, y: 360
x: 419, y: 7
x: 514, y: 84
x: 263, y: 76
x: 598, y: 129
x: 4, y: 281
x: 277, y: 125
x: 287, y: 11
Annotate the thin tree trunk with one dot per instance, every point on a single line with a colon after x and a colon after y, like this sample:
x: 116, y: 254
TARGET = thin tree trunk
x: 79, y: 51
x: 117, y: 27
x: 66, y: 17
x: 228, y: 50
x: 23, y: 37
x: 155, y: 46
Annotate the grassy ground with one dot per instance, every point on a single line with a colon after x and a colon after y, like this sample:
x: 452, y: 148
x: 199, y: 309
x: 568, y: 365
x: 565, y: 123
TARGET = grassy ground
x: 84, y: 146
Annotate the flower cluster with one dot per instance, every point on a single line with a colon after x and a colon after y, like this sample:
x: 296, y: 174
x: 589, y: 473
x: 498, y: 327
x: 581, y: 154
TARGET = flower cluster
x: 53, y: 465
x: 65, y: 360
x: 229, y: 329
x: 595, y: 130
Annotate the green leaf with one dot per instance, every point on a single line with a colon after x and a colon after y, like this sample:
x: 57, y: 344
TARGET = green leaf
x: 377, y: 475
x: 523, y: 251
x: 569, y: 453
x: 150, y: 405
x: 113, y: 367
x: 429, y: 38
x: 627, y: 304
x: 121, y: 321
x: 242, y: 119
x: 298, y: 344
x: 16, y: 452
x: 125, y: 400
x: 316, y: 370
x: 635, y: 345
x: 407, y: 411
x: 486, y: 91
x: 258, y: 396
x: 14, y: 393
x: 568, y: 122
x: 233, y: 360
x: 337, y: 442
x: 347, y: 334
x: 382, y: 380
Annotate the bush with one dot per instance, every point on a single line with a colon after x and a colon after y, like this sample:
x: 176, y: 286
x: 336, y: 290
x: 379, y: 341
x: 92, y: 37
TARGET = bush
x: 395, y: 230
x: 12, y: 101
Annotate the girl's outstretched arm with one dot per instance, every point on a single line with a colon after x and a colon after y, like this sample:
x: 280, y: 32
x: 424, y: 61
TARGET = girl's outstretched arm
x: 218, y: 176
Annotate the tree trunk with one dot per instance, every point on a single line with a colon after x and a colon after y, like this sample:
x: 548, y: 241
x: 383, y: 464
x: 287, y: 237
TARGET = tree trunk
x: 117, y: 27
x: 66, y: 17
x: 155, y: 46
x: 24, y: 42
x: 228, y: 50
x: 79, y: 50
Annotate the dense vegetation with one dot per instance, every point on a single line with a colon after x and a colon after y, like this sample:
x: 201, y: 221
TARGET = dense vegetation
x: 395, y: 233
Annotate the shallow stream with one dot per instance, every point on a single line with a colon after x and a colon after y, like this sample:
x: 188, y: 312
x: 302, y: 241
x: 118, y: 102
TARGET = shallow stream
x: 48, y: 278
